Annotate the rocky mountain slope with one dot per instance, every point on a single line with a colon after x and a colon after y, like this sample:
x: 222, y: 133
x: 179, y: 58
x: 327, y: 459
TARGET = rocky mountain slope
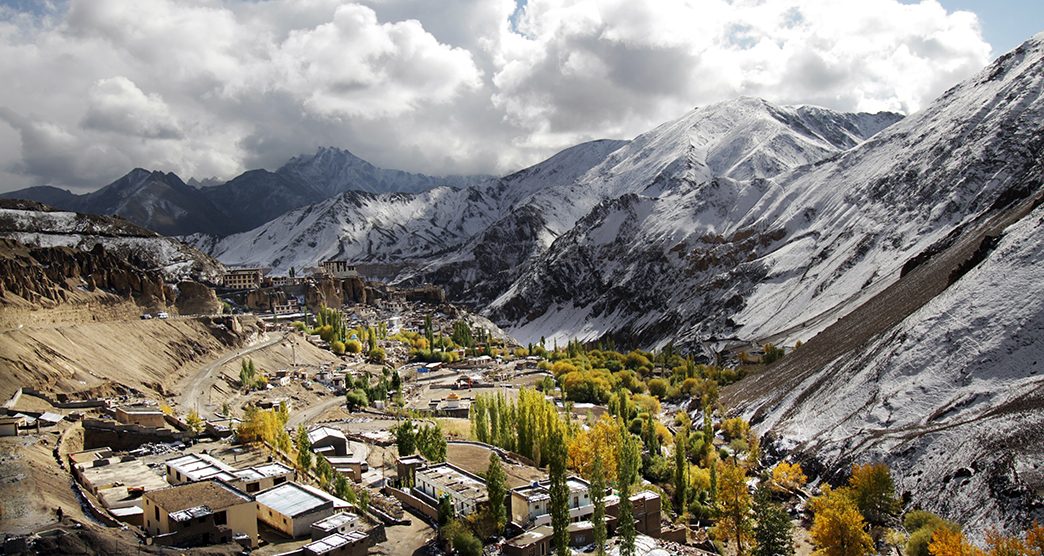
x: 938, y: 375
x: 475, y: 241
x: 37, y: 225
x: 791, y: 253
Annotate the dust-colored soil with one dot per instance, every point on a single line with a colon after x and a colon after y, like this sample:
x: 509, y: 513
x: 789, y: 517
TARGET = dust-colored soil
x: 32, y: 486
x: 406, y: 540
x: 148, y: 356
x: 475, y: 459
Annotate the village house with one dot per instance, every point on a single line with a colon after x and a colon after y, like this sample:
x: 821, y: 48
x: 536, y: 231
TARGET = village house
x: 466, y: 491
x: 339, y: 269
x: 328, y: 441
x: 201, y: 513
x: 338, y: 544
x: 292, y: 508
x: 531, y: 504
x: 198, y: 467
x: 141, y: 415
x: 263, y: 477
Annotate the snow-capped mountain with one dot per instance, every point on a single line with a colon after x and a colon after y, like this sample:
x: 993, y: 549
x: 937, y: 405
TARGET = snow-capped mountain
x: 475, y: 241
x: 333, y: 171
x: 696, y: 255
x: 162, y: 202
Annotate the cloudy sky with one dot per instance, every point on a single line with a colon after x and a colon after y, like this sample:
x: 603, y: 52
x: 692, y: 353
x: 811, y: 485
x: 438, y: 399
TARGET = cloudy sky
x: 93, y: 88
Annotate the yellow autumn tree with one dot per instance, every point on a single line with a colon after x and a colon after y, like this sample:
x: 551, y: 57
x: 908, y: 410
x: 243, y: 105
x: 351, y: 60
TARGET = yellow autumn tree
x: 602, y: 438
x: 734, y: 523
x: 787, y: 477
x: 999, y: 544
x: 838, y: 529
x: 948, y: 541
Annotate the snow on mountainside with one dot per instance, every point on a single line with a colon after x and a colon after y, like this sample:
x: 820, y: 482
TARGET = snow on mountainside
x: 397, y: 227
x: 496, y: 231
x: 692, y: 255
x: 333, y: 171
x: 950, y: 395
x: 40, y: 226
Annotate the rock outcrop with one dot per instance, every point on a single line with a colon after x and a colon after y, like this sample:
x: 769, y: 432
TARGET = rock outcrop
x: 51, y: 275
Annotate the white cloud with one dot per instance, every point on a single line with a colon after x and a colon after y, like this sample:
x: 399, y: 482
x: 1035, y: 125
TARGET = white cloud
x: 212, y: 87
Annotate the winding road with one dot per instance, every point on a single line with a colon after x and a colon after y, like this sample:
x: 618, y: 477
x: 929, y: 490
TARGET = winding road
x: 195, y: 389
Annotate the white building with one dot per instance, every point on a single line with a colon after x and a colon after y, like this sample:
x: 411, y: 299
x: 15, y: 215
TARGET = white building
x: 292, y: 508
x: 467, y: 492
x: 531, y: 505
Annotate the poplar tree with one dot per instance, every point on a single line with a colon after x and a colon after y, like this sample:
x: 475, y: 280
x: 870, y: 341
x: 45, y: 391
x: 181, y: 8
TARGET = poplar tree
x: 496, y: 488
x: 559, y: 493
x: 598, y: 499
x: 629, y: 461
x: 681, y: 466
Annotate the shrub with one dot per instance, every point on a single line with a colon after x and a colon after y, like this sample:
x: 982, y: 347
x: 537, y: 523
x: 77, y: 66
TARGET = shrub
x: 337, y: 347
x: 353, y: 346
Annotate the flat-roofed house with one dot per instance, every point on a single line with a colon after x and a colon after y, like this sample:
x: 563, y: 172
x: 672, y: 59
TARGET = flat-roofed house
x: 338, y: 544
x: 292, y: 508
x: 263, y: 477
x: 243, y: 278
x: 530, y: 504
x: 198, y: 467
x: 466, y: 491
x: 342, y: 522
x: 141, y: 415
x: 200, y: 513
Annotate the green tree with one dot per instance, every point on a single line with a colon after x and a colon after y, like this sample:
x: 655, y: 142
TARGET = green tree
x: 446, y: 511
x: 496, y: 487
x: 773, y: 534
x: 377, y: 356
x: 304, y: 449
x: 681, y: 467
x: 598, y: 499
x: 355, y: 399
x: 431, y: 443
x: 559, y: 488
x: 629, y: 461
x: 405, y: 438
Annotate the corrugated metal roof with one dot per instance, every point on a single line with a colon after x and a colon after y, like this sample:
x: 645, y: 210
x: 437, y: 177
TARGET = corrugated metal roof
x: 291, y: 500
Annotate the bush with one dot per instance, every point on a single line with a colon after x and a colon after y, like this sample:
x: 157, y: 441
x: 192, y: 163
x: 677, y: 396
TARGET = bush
x: 356, y: 398
x: 337, y: 347
x: 353, y: 346
x: 377, y: 356
x: 659, y: 387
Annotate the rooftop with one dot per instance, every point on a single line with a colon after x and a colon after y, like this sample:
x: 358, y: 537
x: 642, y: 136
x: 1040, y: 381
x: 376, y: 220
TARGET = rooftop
x: 319, y: 433
x: 132, y: 473
x: 449, y: 477
x: 189, y: 514
x: 139, y: 410
x: 335, y: 521
x: 333, y: 542
x: 197, y: 467
x: 214, y: 494
x: 295, y: 499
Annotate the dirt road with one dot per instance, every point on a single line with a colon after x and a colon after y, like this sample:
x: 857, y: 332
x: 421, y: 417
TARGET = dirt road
x: 194, y: 393
x: 307, y: 415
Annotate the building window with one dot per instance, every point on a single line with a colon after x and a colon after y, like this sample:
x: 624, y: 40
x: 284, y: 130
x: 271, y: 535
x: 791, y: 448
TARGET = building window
x: 157, y: 512
x: 220, y: 518
x: 253, y: 487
